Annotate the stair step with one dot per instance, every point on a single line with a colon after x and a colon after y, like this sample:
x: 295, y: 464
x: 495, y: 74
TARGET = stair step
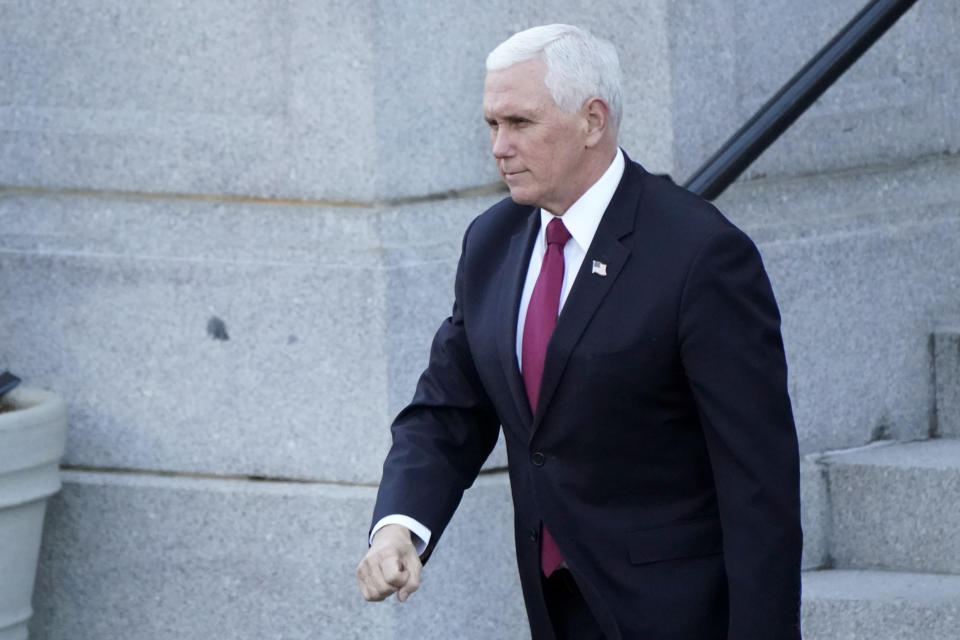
x: 895, y: 507
x: 880, y: 605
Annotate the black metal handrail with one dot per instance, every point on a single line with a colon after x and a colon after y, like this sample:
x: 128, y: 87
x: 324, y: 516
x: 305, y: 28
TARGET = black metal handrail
x: 773, y: 118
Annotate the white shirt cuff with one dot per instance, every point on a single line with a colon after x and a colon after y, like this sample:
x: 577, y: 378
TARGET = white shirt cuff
x: 421, y: 534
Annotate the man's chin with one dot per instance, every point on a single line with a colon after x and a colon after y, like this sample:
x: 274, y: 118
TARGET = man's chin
x: 521, y: 197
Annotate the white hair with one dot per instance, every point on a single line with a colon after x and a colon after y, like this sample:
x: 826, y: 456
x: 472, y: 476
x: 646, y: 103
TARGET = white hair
x: 580, y: 66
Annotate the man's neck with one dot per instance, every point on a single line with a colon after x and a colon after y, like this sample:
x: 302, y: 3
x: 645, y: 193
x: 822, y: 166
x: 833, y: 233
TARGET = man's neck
x: 597, y: 164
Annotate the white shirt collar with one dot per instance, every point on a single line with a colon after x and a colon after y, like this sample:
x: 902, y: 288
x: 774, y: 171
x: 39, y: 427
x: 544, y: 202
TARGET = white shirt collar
x: 583, y: 216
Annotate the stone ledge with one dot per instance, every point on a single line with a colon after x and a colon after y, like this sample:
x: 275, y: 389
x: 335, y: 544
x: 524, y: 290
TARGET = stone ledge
x: 946, y: 365
x: 877, y: 605
x: 814, y: 513
x: 172, y: 558
x: 894, y: 507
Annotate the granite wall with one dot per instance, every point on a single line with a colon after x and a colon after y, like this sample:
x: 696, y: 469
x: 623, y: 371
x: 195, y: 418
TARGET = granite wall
x: 227, y: 233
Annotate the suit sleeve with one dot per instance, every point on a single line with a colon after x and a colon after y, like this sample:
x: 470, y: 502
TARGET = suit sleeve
x: 733, y: 357
x: 441, y: 439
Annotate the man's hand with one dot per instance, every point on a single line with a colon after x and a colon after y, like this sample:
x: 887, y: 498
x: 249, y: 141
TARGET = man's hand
x: 391, y: 565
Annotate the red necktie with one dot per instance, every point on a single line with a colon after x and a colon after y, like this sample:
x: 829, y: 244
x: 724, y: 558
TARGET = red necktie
x: 541, y: 318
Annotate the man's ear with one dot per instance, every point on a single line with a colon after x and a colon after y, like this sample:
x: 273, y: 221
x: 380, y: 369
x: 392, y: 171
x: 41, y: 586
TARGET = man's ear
x: 596, y: 118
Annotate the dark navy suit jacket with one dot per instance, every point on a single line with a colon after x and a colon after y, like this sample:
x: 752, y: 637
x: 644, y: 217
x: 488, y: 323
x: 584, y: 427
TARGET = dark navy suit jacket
x: 663, y: 454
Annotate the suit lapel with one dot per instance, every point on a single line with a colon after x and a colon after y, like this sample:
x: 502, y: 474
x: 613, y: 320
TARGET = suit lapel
x: 589, y: 289
x: 514, y: 274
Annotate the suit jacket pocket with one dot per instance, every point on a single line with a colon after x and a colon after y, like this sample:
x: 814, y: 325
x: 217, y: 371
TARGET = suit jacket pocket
x: 680, y: 540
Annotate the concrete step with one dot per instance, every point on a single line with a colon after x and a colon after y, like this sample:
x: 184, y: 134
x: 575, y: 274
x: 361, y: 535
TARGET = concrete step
x: 880, y: 605
x: 895, y: 507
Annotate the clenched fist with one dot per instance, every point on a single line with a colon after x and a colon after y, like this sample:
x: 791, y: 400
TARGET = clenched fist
x: 391, y: 565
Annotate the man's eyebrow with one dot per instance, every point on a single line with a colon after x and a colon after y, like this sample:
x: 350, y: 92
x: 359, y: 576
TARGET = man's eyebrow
x: 512, y: 119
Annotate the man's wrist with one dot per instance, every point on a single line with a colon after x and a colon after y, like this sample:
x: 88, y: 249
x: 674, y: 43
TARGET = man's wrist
x: 419, y: 534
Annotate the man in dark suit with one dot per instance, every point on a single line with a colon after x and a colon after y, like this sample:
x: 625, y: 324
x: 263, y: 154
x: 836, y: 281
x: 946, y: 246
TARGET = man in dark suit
x: 625, y: 336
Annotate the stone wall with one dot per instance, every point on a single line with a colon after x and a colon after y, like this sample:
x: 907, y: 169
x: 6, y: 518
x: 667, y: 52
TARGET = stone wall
x: 227, y: 234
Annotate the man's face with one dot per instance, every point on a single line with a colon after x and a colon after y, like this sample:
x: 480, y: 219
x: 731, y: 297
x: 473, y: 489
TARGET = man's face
x: 537, y: 145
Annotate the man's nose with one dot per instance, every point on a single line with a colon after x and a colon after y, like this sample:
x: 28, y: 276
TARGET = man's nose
x: 500, y: 143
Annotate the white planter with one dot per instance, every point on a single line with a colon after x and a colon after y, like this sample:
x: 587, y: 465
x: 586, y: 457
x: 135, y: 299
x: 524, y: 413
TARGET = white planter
x: 32, y: 439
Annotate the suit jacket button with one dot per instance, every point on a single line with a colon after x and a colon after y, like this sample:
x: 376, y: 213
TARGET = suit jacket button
x: 538, y: 459
x: 534, y: 534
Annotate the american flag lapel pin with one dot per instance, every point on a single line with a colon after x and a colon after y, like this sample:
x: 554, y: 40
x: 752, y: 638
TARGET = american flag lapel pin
x: 599, y: 268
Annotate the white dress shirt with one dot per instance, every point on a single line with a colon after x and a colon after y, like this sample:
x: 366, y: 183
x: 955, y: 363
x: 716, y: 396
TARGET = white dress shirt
x: 581, y: 220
